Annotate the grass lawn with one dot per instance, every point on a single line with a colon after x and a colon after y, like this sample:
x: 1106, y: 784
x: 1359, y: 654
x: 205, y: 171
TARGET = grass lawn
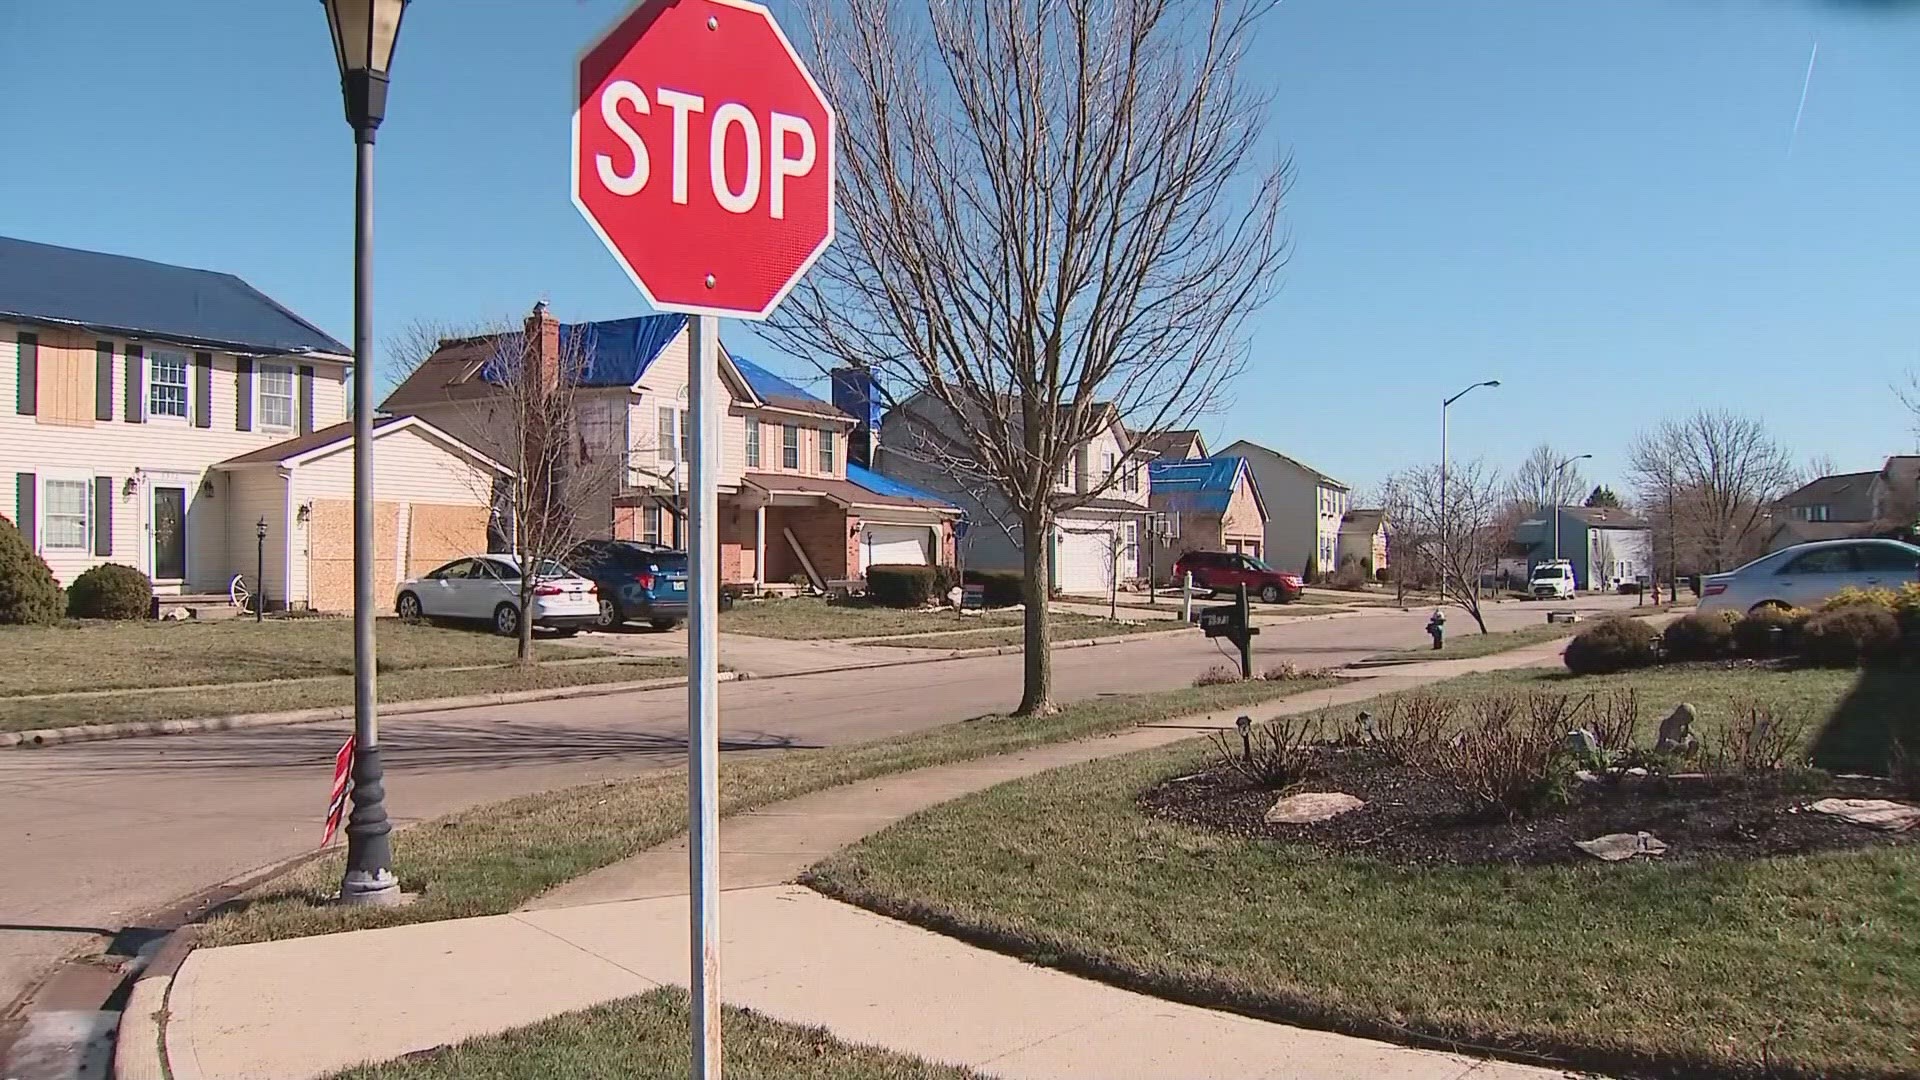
x: 804, y: 618
x: 1065, y: 628
x: 407, y: 685
x: 1809, y: 964
x: 1464, y: 643
x: 646, y: 1036
x: 131, y: 655
x: 492, y: 859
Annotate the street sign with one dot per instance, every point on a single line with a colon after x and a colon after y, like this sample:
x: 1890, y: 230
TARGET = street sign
x: 703, y: 155
x: 337, y: 797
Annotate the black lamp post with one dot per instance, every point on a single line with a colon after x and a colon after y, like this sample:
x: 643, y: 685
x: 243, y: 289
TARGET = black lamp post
x: 364, y: 32
x: 260, y: 570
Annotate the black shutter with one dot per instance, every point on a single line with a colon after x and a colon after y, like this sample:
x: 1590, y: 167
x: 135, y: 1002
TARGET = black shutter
x: 27, y: 395
x: 136, y: 389
x: 202, y: 390
x: 26, y: 488
x: 103, y: 380
x: 243, y: 394
x: 103, y: 515
x: 306, y: 398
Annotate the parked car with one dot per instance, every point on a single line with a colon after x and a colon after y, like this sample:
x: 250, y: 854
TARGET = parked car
x: 637, y: 580
x: 1807, y: 574
x: 1552, y: 580
x: 1223, y: 571
x: 488, y: 587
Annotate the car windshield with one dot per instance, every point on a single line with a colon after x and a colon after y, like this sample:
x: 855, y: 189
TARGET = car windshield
x: 551, y: 569
x: 1258, y: 564
x: 1550, y: 572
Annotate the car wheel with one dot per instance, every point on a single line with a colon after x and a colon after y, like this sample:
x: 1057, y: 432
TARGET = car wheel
x: 664, y: 624
x: 610, y: 614
x: 1770, y: 605
x: 409, y: 606
x: 1270, y: 594
x: 506, y: 620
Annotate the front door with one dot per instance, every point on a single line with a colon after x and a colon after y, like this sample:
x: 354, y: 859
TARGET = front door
x: 169, y: 533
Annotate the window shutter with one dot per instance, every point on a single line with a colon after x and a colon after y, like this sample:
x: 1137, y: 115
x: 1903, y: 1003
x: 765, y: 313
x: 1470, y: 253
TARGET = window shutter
x: 103, y: 380
x: 26, y: 487
x: 136, y: 390
x: 202, y: 390
x: 103, y: 515
x: 306, y: 398
x: 243, y: 394
x: 27, y: 396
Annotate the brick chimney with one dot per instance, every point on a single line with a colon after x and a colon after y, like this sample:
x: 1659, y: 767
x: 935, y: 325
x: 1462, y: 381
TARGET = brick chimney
x: 543, y: 345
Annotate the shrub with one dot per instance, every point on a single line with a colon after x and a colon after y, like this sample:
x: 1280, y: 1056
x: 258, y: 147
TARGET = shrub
x: 1413, y: 724
x: 1697, y: 637
x: 1613, y: 719
x: 1611, y: 645
x: 1850, y: 633
x: 1511, y: 755
x: 1906, y: 606
x: 1292, y: 672
x: 1351, y: 576
x: 1754, y: 634
x: 1852, y: 596
x: 110, y: 591
x: 901, y: 584
x: 944, y: 579
x: 1003, y: 588
x: 1382, y: 575
x: 1759, y: 741
x: 1273, y: 754
x: 28, y: 593
x: 1217, y: 675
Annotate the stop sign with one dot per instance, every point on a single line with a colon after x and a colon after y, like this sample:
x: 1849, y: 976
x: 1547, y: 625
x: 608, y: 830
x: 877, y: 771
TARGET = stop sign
x: 703, y: 155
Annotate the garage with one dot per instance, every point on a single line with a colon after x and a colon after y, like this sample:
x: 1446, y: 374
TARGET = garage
x: 892, y: 545
x: 1083, y: 557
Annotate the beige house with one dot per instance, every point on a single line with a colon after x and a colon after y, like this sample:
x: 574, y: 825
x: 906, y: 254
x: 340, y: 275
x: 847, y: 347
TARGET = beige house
x: 131, y: 390
x: 1211, y: 504
x: 1305, y: 508
x: 1363, y: 537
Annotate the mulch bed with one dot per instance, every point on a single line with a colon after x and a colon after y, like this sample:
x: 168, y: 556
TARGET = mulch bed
x: 1414, y: 819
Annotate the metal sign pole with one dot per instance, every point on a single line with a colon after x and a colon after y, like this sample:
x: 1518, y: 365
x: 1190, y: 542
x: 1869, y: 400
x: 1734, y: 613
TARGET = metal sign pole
x: 703, y: 704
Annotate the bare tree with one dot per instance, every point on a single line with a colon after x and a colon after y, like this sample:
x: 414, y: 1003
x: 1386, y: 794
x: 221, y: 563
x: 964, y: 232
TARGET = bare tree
x: 410, y: 346
x: 1053, y: 215
x: 1711, y: 478
x: 1463, y: 542
x: 1537, y: 485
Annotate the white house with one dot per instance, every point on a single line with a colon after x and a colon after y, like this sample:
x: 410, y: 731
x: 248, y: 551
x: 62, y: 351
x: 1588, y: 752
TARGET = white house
x: 155, y: 416
x: 1305, y: 509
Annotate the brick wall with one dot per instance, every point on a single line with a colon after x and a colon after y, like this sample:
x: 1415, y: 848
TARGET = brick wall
x: 822, y: 532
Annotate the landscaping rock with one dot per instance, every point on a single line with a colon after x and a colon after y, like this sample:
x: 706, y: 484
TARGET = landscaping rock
x: 1676, y: 732
x: 1883, y: 814
x: 1614, y: 847
x: 1311, y: 806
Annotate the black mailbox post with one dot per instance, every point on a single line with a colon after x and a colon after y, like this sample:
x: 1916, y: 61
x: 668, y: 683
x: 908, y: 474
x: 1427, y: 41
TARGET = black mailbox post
x: 1231, y: 621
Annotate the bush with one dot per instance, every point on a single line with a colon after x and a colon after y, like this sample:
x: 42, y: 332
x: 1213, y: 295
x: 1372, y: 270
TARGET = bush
x: 1697, y: 637
x: 901, y: 584
x: 1382, y: 575
x: 1217, y: 675
x: 1292, y: 672
x: 1004, y: 588
x: 1848, y: 634
x: 944, y: 579
x: 1611, y: 645
x: 1885, y: 599
x: 1273, y: 754
x: 1754, y: 634
x: 1511, y: 755
x: 1906, y: 606
x: 1352, y: 576
x: 28, y: 593
x: 110, y: 591
x: 1759, y: 741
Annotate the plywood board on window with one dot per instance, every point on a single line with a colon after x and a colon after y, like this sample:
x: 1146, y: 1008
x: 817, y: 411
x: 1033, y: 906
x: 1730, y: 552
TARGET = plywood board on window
x: 330, y: 554
x: 65, y: 384
x: 438, y: 534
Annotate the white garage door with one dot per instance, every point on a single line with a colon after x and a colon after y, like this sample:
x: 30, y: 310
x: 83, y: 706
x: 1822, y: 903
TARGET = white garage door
x: 887, y: 545
x: 1084, y: 560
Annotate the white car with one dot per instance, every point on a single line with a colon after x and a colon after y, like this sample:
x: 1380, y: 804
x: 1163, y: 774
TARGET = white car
x: 1552, y: 580
x: 1806, y: 574
x: 488, y: 587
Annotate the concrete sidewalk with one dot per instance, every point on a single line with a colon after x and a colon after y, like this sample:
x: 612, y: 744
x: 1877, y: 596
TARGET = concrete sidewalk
x: 270, y: 1009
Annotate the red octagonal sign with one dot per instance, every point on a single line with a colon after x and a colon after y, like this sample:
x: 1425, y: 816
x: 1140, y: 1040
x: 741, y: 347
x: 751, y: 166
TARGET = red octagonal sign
x: 703, y: 155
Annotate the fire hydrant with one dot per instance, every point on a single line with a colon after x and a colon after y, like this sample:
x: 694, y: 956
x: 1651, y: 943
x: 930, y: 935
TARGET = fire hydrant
x: 1437, y: 626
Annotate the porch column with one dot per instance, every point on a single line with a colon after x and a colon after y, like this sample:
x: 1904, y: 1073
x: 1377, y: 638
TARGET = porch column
x: 760, y: 545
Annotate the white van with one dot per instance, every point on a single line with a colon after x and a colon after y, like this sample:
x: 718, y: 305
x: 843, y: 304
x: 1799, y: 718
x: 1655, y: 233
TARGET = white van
x: 1552, y: 580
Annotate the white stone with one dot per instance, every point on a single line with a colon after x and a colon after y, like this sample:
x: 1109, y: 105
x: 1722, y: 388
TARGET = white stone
x: 1614, y: 847
x: 1310, y: 806
x: 1883, y: 814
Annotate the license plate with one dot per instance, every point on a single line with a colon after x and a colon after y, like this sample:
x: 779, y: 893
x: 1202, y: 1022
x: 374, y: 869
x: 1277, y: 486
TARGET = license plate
x: 679, y: 586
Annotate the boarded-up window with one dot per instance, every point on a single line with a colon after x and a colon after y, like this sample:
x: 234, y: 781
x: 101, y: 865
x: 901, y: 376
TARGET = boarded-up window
x: 65, y: 380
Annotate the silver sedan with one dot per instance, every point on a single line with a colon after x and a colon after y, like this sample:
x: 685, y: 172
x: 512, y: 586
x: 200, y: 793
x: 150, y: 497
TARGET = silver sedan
x: 1807, y: 574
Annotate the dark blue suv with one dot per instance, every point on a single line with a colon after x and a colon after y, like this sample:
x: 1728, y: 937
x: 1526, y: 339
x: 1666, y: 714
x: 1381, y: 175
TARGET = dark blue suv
x: 637, y: 580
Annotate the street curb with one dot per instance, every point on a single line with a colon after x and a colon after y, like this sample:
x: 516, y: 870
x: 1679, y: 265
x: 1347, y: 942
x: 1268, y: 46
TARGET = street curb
x: 242, y: 721
x: 139, y: 1052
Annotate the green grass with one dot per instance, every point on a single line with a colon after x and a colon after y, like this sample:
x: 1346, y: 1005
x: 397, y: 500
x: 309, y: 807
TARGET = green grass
x: 1065, y: 628
x: 492, y: 859
x: 1810, y: 964
x: 407, y: 685
x: 646, y: 1036
x: 1463, y: 643
x: 805, y: 618
x: 132, y: 655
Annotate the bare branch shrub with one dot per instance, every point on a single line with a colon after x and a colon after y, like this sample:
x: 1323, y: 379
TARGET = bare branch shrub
x: 1510, y: 755
x: 1273, y: 754
x: 1759, y: 740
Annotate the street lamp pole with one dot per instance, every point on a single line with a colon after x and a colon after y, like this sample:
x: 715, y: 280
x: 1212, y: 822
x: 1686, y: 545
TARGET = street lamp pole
x: 364, y: 32
x: 1442, y: 529
x: 1557, y: 469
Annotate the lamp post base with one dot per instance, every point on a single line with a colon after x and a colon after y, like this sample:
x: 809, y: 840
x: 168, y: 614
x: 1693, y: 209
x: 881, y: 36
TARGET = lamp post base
x: 371, y: 890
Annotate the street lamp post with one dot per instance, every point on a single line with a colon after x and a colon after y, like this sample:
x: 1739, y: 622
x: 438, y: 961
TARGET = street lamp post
x: 364, y: 32
x: 260, y: 570
x: 1557, y: 469
x: 1442, y: 529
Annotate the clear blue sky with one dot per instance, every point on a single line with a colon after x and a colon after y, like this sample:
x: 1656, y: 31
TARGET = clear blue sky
x: 1592, y: 202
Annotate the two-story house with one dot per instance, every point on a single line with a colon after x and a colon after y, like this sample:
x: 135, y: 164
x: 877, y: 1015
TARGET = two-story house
x: 792, y: 507
x: 1305, y: 508
x: 183, y: 423
x: 1099, y: 535
x: 1211, y: 504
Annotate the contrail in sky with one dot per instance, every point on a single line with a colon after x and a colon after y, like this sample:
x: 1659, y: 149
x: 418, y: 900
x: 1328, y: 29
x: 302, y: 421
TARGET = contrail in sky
x: 1802, y: 110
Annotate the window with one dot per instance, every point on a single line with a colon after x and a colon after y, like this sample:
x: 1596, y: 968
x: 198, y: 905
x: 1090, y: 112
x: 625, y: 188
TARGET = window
x: 64, y: 509
x: 826, y: 451
x: 790, y: 447
x: 1133, y: 541
x: 664, y: 434
x: 1132, y: 483
x: 650, y: 524
x: 753, y: 443
x: 276, y: 396
x: 1821, y: 512
x: 1066, y: 474
x: 1888, y: 558
x: 1833, y: 560
x: 459, y: 568
x: 167, y: 383
x: 1109, y: 464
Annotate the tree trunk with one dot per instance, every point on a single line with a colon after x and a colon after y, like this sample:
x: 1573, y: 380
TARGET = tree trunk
x: 1036, y: 695
x: 523, y: 652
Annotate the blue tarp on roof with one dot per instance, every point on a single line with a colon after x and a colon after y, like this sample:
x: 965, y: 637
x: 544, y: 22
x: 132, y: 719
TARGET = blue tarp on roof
x: 619, y: 351
x: 887, y: 485
x: 1195, y: 483
x: 773, y: 389
x: 137, y: 297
